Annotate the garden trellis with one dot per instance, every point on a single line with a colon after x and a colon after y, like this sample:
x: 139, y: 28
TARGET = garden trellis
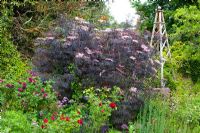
x: 159, y: 31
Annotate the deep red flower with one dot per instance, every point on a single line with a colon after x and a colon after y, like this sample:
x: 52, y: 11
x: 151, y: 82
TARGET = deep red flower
x: 24, y: 85
x: 20, y: 89
x: 113, y: 105
x: 9, y: 85
x: 42, y: 126
x: 67, y: 119
x: 102, y: 111
x: 53, y: 118
x: 42, y: 90
x: 18, y: 95
x: 100, y: 104
x: 62, y: 117
x: 30, y: 80
x: 45, y: 95
x: 45, y: 120
x: 80, y: 121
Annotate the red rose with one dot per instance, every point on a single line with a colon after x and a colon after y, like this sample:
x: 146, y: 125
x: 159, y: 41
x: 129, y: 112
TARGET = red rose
x: 52, y: 118
x: 20, y: 89
x: 62, y: 117
x: 102, y: 111
x: 80, y: 121
x: 45, y: 120
x: 113, y: 105
x: 67, y: 119
x: 100, y: 104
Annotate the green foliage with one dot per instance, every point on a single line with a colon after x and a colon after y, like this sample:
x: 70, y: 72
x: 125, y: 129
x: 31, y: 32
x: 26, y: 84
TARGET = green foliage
x: 14, y: 121
x: 186, y: 27
x: 11, y: 64
x: 186, y: 40
x: 153, y: 118
x: 28, y: 94
x: 40, y: 107
x: 182, y: 19
x: 147, y: 11
x: 98, y: 107
x: 92, y: 114
x: 170, y: 116
x: 33, y: 18
x: 187, y: 107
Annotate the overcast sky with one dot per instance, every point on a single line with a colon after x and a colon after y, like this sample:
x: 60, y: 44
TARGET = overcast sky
x: 122, y: 11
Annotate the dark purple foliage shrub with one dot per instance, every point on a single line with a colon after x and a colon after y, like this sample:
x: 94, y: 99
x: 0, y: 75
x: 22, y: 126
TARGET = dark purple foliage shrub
x: 101, y: 58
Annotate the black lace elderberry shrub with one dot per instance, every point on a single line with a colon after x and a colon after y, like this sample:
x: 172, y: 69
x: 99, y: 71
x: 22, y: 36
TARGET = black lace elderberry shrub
x: 101, y: 58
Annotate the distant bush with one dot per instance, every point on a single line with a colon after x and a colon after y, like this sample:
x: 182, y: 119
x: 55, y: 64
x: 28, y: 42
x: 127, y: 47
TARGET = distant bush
x: 186, y: 40
x: 32, y: 18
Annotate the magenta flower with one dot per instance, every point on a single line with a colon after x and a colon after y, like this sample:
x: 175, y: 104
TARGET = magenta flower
x: 53, y: 118
x: 24, y: 85
x: 45, y: 95
x: 20, y: 89
x: 30, y: 80
x: 32, y: 73
x: 9, y: 85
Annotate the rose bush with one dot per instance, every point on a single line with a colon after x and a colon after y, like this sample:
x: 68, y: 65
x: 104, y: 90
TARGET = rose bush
x: 36, y: 103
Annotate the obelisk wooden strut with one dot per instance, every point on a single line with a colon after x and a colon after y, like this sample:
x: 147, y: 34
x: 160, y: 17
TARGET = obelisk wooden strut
x: 159, y: 40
